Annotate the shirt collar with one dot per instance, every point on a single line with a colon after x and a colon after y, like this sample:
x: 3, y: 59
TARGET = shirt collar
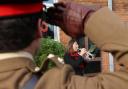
x: 4, y: 56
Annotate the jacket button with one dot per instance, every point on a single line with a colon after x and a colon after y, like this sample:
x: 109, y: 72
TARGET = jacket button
x: 37, y: 69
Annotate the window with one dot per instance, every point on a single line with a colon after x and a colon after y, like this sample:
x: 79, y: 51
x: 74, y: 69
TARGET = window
x: 53, y: 30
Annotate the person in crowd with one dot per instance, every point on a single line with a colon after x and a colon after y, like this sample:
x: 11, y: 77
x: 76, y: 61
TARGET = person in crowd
x: 105, y: 30
x: 75, y: 57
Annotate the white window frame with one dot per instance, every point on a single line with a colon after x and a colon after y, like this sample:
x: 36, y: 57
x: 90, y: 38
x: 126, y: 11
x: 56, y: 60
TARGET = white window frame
x: 111, y: 59
x: 56, y: 29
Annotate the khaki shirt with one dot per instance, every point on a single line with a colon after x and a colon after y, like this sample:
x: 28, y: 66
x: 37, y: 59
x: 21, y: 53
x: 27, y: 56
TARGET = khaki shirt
x: 16, y: 69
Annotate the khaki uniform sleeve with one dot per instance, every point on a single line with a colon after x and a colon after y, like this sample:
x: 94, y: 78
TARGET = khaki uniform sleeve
x: 64, y: 78
x: 56, y: 78
x: 106, y: 30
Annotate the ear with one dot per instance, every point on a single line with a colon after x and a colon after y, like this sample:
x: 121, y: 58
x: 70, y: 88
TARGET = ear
x: 42, y: 27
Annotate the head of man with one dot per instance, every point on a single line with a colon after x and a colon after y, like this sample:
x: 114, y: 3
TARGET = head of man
x: 20, y: 25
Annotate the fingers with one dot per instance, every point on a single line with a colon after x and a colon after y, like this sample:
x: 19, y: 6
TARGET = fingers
x: 54, y: 10
x: 84, y: 50
x: 60, y: 4
x: 58, y: 8
x: 54, y: 15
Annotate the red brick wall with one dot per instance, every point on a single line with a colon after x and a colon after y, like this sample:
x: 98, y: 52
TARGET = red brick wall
x: 64, y: 38
x: 121, y: 8
x: 105, y: 61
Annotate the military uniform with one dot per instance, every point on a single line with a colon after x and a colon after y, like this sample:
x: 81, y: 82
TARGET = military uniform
x: 19, y: 71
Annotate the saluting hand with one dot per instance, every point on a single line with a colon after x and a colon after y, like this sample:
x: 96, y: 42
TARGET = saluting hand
x: 69, y: 17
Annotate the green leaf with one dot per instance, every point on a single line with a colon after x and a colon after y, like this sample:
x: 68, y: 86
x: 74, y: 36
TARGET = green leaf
x: 49, y: 46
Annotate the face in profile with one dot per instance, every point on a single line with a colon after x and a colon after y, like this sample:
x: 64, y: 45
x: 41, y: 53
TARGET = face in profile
x: 75, y: 46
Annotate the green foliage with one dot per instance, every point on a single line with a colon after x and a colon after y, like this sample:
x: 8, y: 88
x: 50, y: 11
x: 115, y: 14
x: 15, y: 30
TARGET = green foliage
x: 49, y: 46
